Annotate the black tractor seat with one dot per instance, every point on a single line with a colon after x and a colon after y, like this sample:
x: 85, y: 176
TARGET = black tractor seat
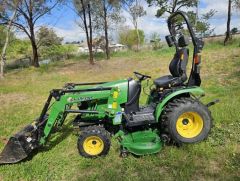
x: 166, y: 81
x: 177, y: 67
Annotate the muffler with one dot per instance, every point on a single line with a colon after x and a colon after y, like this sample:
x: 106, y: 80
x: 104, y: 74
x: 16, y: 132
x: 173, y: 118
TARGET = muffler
x: 20, y: 145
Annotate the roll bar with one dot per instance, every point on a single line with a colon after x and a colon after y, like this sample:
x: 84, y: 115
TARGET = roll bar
x: 194, y: 79
x: 198, y: 44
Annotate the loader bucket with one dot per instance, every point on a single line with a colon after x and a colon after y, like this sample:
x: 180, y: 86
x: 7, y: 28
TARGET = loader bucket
x: 19, y: 146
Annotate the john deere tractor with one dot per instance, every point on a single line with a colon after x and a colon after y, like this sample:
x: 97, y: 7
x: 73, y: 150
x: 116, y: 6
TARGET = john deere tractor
x: 173, y: 112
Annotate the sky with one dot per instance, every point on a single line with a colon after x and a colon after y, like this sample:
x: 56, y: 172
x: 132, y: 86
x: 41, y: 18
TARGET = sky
x: 63, y: 20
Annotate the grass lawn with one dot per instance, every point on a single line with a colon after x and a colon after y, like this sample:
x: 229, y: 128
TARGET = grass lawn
x: 24, y: 91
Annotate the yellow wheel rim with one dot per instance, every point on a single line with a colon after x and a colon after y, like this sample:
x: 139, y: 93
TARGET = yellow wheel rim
x: 189, y: 125
x: 93, y: 145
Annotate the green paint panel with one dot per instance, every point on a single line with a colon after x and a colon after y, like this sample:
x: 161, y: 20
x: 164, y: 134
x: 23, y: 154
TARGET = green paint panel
x: 122, y: 85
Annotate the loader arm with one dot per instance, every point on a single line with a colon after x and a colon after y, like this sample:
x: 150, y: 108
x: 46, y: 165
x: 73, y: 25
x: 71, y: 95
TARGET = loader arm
x: 66, y: 101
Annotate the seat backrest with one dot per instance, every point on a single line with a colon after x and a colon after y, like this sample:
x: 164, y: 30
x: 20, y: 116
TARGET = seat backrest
x: 178, y: 64
x: 134, y: 91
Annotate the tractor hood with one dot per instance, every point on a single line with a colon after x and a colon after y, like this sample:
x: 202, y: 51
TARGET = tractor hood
x: 122, y: 85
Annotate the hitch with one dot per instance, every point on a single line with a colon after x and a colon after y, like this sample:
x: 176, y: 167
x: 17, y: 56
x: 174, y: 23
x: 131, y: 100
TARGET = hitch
x: 213, y: 103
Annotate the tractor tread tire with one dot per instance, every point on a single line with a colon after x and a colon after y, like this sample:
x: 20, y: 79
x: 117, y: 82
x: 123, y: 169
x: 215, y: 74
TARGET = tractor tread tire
x: 99, y: 131
x: 174, y: 109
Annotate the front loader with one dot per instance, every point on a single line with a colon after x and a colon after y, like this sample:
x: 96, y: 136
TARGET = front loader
x: 173, y: 112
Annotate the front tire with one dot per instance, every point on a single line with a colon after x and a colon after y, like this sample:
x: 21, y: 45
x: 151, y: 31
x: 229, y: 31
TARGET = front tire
x: 94, y: 141
x: 186, y: 120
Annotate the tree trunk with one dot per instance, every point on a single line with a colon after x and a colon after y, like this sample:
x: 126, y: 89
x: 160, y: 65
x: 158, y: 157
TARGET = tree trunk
x: 228, y: 22
x: 91, y: 36
x: 174, y: 4
x: 35, y: 60
x: 197, y: 11
x: 3, y: 55
x: 88, y: 35
x: 138, y: 37
x: 106, y: 31
x: 3, y: 62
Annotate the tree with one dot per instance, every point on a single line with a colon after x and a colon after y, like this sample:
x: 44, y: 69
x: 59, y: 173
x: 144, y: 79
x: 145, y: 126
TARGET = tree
x: 28, y: 14
x: 156, y: 41
x: 166, y: 6
x: 49, y: 44
x: 136, y: 11
x: 202, y: 24
x: 227, y: 38
x: 106, y: 8
x: 3, y: 36
x: 8, y: 33
x: 237, y: 4
x: 106, y: 12
x: 47, y: 37
x: 234, y: 30
x: 130, y: 38
x: 84, y: 11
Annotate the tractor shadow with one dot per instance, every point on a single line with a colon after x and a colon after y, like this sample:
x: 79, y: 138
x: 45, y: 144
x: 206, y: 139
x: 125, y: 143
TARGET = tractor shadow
x: 57, y: 136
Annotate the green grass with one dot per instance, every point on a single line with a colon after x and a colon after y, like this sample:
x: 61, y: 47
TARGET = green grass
x: 23, y: 92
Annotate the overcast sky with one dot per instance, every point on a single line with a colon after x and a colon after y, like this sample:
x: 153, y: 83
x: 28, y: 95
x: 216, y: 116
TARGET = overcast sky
x: 64, y: 20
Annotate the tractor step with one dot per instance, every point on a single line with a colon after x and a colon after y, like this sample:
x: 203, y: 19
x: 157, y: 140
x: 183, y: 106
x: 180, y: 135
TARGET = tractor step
x: 139, y: 119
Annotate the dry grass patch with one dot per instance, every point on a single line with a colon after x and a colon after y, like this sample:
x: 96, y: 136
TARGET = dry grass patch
x: 9, y: 99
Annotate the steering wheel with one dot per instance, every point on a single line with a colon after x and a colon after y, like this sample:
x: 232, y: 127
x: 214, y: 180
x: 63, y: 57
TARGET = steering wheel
x: 141, y: 77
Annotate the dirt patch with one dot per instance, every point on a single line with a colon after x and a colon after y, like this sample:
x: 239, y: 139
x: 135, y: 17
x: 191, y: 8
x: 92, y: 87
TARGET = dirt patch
x: 116, y: 68
x: 4, y: 140
x: 214, y: 166
x: 1, y: 178
x: 12, y: 98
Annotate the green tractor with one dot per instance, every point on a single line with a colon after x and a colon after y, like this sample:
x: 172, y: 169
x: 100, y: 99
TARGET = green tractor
x: 173, y: 113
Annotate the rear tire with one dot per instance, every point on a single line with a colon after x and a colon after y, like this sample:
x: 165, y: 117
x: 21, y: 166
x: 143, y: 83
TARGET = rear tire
x: 94, y: 141
x: 186, y: 120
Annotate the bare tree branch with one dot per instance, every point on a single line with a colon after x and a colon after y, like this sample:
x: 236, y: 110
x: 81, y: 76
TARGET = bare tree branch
x: 3, y: 55
x: 47, y: 11
x: 30, y: 11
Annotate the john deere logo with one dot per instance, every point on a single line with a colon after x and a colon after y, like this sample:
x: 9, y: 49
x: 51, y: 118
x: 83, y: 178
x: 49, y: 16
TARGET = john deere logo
x: 71, y: 99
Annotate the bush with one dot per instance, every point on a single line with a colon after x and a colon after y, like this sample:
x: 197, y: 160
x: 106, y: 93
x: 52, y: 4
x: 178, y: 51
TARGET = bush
x: 130, y: 38
x: 57, y: 52
x: 156, y: 41
x: 19, y: 49
x: 20, y: 63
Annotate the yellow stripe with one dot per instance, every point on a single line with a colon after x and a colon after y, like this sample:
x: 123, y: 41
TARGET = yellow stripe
x: 115, y: 94
x: 114, y: 105
x: 182, y: 57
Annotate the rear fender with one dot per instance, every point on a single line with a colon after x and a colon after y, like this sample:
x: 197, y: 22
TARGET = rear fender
x: 195, y: 91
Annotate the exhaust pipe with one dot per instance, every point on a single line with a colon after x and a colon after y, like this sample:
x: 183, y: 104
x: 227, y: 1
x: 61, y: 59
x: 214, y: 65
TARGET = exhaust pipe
x: 20, y: 145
